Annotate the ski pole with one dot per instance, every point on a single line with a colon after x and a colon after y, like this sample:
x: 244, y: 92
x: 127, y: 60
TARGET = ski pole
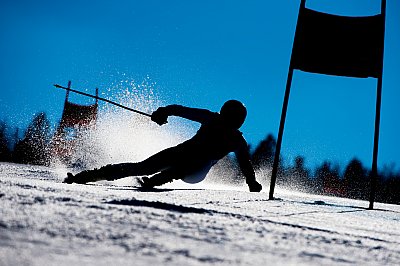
x: 102, y: 99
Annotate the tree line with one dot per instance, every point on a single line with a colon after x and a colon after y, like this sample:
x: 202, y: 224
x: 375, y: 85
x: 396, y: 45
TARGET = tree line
x: 326, y: 179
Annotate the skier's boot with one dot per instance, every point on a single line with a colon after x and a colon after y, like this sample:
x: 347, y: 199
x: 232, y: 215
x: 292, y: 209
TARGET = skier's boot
x: 156, y: 180
x: 82, y: 177
x: 145, y: 182
x: 70, y: 178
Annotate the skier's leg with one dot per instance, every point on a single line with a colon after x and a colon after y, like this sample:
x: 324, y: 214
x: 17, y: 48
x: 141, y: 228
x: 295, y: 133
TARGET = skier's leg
x: 194, y: 171
x: 156, y: 163
x: 108, y: 172
x: 158, y: 179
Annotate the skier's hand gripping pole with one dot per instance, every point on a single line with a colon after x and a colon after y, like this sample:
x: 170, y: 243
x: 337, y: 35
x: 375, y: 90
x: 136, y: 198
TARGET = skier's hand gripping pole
x: 160, y: 116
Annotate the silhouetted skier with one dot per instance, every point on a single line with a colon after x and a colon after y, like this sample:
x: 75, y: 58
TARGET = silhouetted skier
x: 218, y: 135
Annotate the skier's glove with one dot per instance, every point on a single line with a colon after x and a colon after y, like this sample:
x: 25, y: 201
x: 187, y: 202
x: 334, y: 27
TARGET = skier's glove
x: 160, y: 116
x: 254, y: 186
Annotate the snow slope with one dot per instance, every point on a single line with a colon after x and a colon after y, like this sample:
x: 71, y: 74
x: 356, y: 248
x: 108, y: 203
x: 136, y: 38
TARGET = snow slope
x: 46, y: 222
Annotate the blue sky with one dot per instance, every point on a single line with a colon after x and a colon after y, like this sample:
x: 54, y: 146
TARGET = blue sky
x: 200, y: 53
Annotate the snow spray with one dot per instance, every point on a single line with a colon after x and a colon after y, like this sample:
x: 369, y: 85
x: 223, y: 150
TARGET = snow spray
x: 123, y: 136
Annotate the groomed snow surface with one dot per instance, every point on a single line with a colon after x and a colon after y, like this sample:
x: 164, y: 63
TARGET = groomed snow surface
x: 46, y: 222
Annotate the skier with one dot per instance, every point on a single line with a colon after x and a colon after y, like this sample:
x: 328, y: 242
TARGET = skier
x: 191, y: 160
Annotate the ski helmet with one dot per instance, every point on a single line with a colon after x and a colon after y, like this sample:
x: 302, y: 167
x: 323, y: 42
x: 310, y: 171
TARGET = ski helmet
x: 234, y: 113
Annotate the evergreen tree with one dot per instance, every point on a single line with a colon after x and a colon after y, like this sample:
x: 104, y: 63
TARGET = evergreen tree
x: 356, y: 181
x: 297, y: 177
x: 327, y: 179
x: 263, y: 155
x: 388, y: 188
x: 33, y: 148
x: 5, y: 153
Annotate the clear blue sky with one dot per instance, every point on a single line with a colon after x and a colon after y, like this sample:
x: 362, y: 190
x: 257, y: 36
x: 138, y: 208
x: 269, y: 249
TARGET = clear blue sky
x: 200, y: 53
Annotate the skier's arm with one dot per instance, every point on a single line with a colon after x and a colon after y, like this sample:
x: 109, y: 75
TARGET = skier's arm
x: 161, y: 115
x: 243, y: 158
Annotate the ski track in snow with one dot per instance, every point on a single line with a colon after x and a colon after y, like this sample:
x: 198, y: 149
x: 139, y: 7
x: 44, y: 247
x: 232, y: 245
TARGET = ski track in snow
x: 46, y: 222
